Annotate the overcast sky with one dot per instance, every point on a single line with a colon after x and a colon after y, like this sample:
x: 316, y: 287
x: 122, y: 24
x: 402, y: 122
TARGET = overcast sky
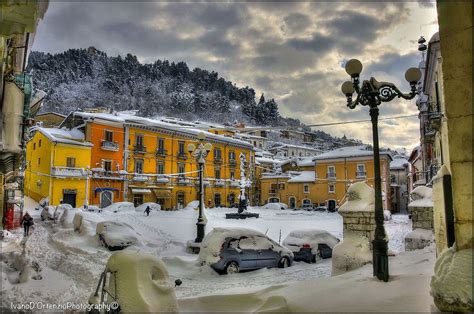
x: 291, y: 51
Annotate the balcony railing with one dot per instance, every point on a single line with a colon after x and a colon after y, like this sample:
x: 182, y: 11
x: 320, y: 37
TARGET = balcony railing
x: 217, y: 160
x: 162, y: 179
x: 182, y: 155
x: 140, y: 178
x: 139, y: 149
x: 161, y: 152
x: 234, y: 183
x: 232, y: 162
x: 182, y: 180
x: 219, y: 182
x: 71, y: 172
x: 361, y: 174
x: 331, y: 176
x: 109, y: 145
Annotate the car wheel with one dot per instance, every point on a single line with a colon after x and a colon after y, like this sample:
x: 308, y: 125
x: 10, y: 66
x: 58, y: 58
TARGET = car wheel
x: 232, y: 268
x: 284, y: 262
x: 313, y: 259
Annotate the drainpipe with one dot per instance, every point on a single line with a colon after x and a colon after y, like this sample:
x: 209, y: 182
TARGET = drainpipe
x: 125, y: 162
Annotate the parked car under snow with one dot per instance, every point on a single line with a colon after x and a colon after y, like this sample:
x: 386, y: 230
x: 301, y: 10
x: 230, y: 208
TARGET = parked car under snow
x: 230, y: 251
x: 115, y: 235
x: 308, y: 243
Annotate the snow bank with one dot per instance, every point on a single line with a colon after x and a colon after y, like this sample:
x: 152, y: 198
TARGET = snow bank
x: 67, y: 218
x: 352, y: 253
x: 360, y: 197
x: 451, y: 286
x: 421, y: 197
x: 85, y: 222
x: 142, y: 283
x: 212, y: 243
x: 275, y: 206
x: 120, y: 207
x: 421, y: 234
x: 153, y: 206
x: 310, y: 236
x: 387, y: 215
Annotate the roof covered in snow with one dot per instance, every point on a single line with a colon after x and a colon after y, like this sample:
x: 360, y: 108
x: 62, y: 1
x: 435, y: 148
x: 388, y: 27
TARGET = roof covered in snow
x: 398, y: 163
x: 349, y: 152
x: 304, y: 176
x: 300, y: 161
x: 73, y: 136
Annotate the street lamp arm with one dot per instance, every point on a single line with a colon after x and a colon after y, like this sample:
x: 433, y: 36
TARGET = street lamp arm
x: 388, y: 91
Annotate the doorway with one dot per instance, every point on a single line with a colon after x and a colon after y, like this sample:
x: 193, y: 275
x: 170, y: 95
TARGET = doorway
x: 106, y: 198
x: 69, y: 197
x: 332, y: 205
x: 292, y: 202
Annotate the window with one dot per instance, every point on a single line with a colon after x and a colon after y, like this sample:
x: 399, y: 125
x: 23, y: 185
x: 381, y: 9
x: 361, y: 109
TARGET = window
x: 160, y: 168
x: 281, y: 186
x: 70, y: 162
x: 34, y: 146
x: 181, y: 148
x: 217, y: 154
x: 138, y: 165
x: 139, y: 140
x: 331, y: 172
x: 360, y: 170
x: 232, y: 174
x: 109, y: 136
x: 306, y: 188
x: 108, y: 165
x: 161, y: 145
x: 231, y: 155
x: 331, y: 188
x: 217, y: 200
x: 393, y: 179
x: 181, y: 168
x: 217, y: 173
x: 39, y: 143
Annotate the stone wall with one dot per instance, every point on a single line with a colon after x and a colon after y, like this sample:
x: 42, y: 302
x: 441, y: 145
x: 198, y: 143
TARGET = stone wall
x: 421, y: 217
x: 360, y: 224
x: 421, y: 211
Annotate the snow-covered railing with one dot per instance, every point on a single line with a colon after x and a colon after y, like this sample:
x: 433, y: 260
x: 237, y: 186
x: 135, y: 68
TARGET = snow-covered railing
x: 219, y: 182
x: 234, y: 183
x: 108, y: 145
x: 68, y: 172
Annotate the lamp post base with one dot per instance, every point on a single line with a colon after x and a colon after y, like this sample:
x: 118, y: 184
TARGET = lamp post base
x: 380, y: 259
x: 201, y: 230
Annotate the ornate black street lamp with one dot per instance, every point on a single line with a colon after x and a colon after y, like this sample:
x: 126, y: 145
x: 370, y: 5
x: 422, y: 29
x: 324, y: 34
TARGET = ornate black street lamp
x: 372, y: 93
x: 199, y: 153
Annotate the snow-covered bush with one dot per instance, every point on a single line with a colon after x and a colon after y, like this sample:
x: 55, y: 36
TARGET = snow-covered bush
x: 119, y: 207
x: 275, y: 206
x: 154, y: 206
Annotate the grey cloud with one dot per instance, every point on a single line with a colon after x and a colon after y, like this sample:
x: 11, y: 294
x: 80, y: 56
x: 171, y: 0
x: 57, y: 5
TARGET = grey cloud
x: 317, y: 43
x: 296, y: 22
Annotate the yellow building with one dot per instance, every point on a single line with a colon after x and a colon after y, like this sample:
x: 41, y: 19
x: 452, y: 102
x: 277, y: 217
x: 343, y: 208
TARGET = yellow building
x: 327, y: 183
x: 56, y: 166
x: 162, y: 170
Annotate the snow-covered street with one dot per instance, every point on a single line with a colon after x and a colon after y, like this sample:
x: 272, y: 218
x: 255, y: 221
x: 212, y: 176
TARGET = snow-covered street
x: 71, y: 262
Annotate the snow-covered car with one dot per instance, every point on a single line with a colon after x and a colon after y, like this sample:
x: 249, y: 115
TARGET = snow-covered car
x: 119, y: 207
x: 154, y: 206
x: 136, y: 282
x: 306, y: 244
x: 321, y: 209
x: 116, y: 235
x: 276, y: 206
x: 308, y: 207
x: 231, y: 250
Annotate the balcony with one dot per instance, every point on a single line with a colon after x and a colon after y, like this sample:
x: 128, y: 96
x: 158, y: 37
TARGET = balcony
x: 205, y: 182
x: 161, y: 152
x: 219, y: 182
x: 361, y: 174
x: 217, y: 160
x: 139, y: 149
x: 162, y: 179
x: 234, y: 183
x: 109, y: 145
x: 140, y: 178
x: 69, y: 172
x: 232, y: 162
x: 331, y: 176
x: 435, y: 121
x: 182, y: 156
x: 182, y: 180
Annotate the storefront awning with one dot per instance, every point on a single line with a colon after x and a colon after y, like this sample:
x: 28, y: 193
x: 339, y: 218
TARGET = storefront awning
x: 162, y: 194
x: 105, y: 189
x: 141, y: 191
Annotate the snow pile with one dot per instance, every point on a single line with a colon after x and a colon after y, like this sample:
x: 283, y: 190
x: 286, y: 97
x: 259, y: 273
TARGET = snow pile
x: 421, y: 234
x: 212, y: 243
x: 352, y: 253
x: 116, y: 234
x: 85, y: 223
x: 360, y: 197
x: 44, y: 202
x: 296, y: 239
x: 421, y: 197
x: 451, y: 286
x: 387, y: 215
x: 67, y: 218
x: 141, y: 283
x: 275, y: 206
x: 193, y: 205
x: 48, y: 213
x: 154, y: 206
x: 120, y: 207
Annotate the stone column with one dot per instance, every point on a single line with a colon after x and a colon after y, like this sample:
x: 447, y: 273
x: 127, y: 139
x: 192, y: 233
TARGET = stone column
x: 421, y: 211
x: 358, y: 214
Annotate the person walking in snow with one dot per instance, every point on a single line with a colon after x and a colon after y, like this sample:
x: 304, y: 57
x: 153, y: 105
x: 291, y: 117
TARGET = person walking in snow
x: 27, y: 221
x: 147, y: 211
